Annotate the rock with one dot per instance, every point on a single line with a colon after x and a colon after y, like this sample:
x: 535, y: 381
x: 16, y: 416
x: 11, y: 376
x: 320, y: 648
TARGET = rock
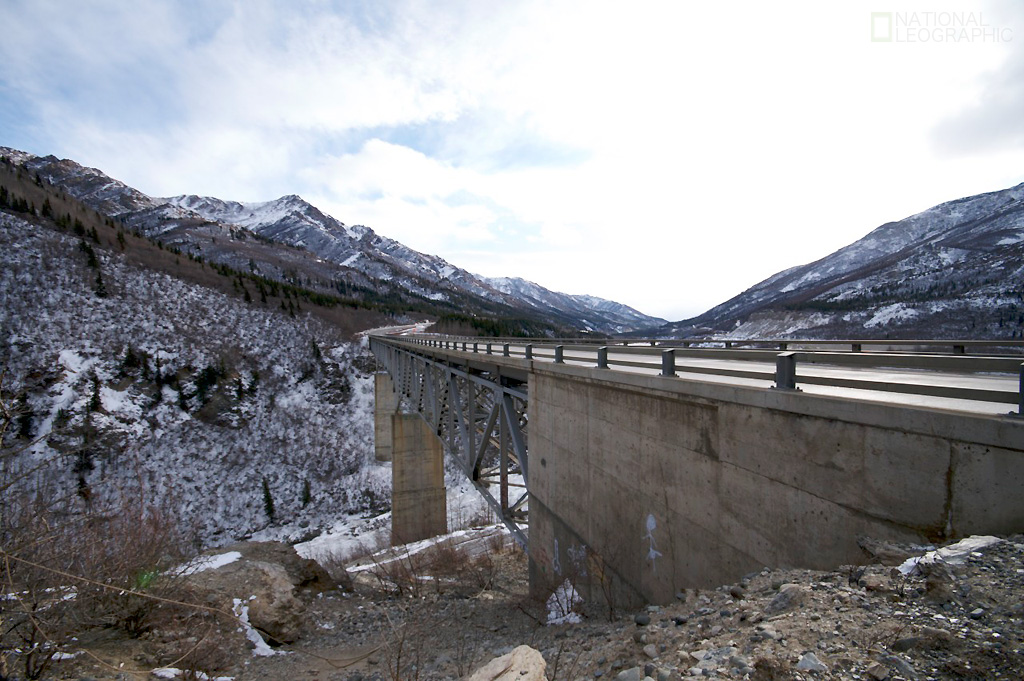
x: 632, y: 674
x: 886, y: 552
x: 265, y: 587
x: 934, y: 635
x: 874, y: 583
x: 714, y: 658
x: 651, y: 651
x: 901, y: 666
x: 939, y: 583
x: 789, y: 596
x: 878, y: 671
x: 522, y: 664
x: 765, y: 632
x: 274, y: 610
x: 810, y: 662
x: 642, y: 620
x: 905, y: 644
x: 737, y: 591
x: 304, y: 573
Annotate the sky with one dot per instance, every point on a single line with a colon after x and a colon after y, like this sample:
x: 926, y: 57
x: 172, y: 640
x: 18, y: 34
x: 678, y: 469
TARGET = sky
x: 666, y: 155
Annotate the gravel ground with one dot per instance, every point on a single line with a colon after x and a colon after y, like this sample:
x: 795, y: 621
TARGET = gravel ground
x: 858, y: 622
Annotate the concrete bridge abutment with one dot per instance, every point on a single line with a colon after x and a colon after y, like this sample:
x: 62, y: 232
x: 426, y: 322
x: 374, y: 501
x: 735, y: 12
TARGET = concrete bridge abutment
x: 641, y: 485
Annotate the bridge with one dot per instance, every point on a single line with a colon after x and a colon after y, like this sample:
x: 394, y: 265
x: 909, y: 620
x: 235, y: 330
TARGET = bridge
x: 637, y: 468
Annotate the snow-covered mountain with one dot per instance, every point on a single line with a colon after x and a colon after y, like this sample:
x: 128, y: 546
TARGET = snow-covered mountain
x: 597, y: 313
x: 324, y: 254
x: 954, y: 270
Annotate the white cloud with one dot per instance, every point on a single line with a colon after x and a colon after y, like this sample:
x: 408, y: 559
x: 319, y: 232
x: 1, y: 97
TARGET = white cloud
x: 674, y: 152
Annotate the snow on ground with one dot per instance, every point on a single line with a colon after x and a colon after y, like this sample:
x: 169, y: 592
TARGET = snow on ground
x: 890, y: 313
x: 300, y: 422
x: 562, y: 604
x: 204, y: 563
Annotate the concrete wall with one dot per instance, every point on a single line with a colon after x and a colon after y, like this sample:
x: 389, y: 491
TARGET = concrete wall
x: 385, y: 404
x: 418, y: 502
x: 644, y: 485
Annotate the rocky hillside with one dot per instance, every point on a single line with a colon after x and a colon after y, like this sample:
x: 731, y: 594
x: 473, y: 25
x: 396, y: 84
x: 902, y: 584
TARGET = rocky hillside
x: 230, y: 416
x: 288, y: 239
x: 954, y: 270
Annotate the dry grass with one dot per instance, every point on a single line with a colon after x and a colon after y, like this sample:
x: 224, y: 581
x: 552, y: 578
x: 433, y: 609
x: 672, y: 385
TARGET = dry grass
x: 68, y: 566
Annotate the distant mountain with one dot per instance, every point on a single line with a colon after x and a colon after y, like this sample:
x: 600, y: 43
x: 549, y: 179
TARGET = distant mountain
x: 954, y: 270
x: 288, y: 239
x: 597, y: 313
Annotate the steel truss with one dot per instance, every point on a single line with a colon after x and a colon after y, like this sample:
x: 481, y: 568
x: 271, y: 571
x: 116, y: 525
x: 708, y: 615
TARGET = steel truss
x: 480, y: 418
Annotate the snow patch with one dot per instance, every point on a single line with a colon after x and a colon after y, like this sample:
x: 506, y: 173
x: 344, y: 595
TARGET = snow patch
x: 260, y: 646
x: 954, y: 554
x: 204, y: 563
x: 562, y: 603
x: 897, y: 312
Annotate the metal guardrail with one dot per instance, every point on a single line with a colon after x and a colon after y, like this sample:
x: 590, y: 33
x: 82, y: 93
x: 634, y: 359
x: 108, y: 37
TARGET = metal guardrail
x: 936, y: 346
x: 792, y: 368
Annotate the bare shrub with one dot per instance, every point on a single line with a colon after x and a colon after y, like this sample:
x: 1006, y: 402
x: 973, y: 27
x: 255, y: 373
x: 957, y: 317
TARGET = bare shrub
x: 70, y: 564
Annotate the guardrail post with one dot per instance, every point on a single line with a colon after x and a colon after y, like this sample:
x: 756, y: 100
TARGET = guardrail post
x: 958, y: 349
x: 489, y: 349
x: 558, y: 355
x: 785, y: 371
x: 855, y: 347
x: 668, y: 362
x: 1020, y: 405
x: 464, y: 344
x: 475, y: 347
x: 602, y: 357
x: 504, y: 349
x: 529, y: 351
x: 783, y: 346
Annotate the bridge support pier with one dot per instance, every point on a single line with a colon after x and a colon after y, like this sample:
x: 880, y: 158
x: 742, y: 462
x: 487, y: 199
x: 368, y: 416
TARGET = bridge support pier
x: 385, y: 404
x: 418, y: 503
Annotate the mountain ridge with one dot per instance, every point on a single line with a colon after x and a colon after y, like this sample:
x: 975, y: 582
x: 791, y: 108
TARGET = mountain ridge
x: 952, y: 269
x: 345, y: 257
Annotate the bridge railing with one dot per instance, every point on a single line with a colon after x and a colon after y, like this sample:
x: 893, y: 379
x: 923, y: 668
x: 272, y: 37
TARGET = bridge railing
x: 874, y: 345
x: 952, y: 376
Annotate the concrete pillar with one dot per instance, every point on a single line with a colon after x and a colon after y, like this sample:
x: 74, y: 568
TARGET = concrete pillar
x: 385, y: 404
x: 418, y: 505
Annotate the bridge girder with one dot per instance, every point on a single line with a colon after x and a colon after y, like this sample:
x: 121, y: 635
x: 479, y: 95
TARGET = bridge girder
x: 480, y: 416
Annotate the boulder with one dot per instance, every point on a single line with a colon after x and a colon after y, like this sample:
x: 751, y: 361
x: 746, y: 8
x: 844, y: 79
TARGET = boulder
x: 304, y: 573
x: 523, y: 663
x: 274, y: 611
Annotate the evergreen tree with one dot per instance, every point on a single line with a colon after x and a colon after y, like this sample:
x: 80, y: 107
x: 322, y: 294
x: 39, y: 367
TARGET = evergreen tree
x: 94, y: 399
x: 268, y: 500
x: 100, y: 288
